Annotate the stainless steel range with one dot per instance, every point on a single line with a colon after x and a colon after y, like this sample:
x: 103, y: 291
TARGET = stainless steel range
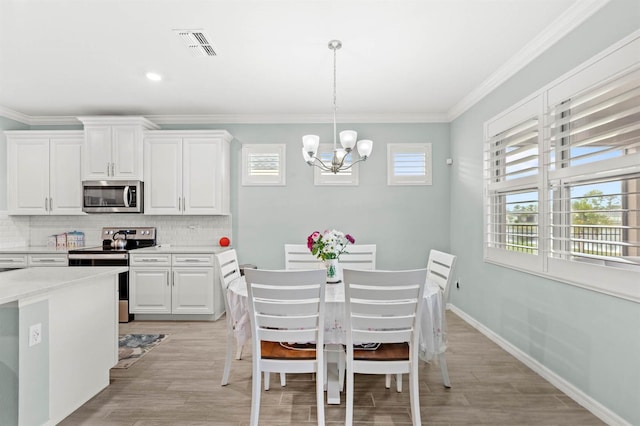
x: 116, y: 245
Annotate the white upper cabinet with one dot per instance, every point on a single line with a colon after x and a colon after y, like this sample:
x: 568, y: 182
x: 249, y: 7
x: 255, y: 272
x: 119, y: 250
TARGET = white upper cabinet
x: 44, y: 172
x: 113, y: 147
x: 186, y: 172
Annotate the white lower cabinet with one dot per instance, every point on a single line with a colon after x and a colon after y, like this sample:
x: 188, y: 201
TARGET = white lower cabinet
x: 150, y: 290
x: 172, y: 284
x: 27, y: 260
x: 192, y: 291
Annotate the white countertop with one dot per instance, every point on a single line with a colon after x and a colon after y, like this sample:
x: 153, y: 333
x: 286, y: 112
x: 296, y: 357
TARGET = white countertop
x: 33, y: 250
x: 165, y: 248
x: 24, y: 283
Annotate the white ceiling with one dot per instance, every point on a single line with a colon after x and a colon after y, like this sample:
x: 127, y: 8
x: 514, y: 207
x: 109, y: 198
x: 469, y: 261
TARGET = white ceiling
x: 401, y: 60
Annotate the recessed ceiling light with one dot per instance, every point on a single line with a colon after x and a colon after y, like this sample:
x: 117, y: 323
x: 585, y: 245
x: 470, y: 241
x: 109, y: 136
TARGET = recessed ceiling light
x: 153, y: 76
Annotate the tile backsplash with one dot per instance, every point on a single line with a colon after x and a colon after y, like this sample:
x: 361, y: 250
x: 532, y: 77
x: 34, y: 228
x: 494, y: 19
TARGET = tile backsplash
x: 16, y: 231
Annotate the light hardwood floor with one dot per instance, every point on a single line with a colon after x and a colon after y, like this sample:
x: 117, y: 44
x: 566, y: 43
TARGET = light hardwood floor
x: 178, y: 383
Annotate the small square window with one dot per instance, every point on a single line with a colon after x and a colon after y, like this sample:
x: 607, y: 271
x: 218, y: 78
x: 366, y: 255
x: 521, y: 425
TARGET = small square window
x: 343, y: 177
x: 263, y: 164
x: 409, y: 164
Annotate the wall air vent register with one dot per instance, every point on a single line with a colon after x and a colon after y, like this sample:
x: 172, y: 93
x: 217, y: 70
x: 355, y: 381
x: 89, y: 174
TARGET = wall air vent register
x: 197, y: 41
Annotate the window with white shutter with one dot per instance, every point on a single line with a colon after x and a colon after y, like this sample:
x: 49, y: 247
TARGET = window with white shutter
x: 409, y: 164
x: 594, y: 174
x: 512, y: 185
x: 263, y: 164
x: 343, y: 177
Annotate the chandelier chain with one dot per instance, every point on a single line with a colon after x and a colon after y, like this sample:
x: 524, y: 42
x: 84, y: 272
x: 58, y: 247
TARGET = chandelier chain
x: 335, y: 103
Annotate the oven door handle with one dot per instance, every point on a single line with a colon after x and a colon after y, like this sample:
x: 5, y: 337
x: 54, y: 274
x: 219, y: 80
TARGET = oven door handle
x: 126, y: 196
x: 107, y: 256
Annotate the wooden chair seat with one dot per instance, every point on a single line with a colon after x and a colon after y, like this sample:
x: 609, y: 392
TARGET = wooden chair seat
x: 385, y: 352
x: 274, y: 350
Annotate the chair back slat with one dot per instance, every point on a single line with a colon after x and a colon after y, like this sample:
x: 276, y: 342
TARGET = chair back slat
x: 280, y: 308
x: 384, y: 309
x: 298, y: 256
x: 284, y: 336
x: 285, y: 292
x: 382, y: 322
x: 380, y: 336
x: 282, y: 322
x: 386, y: 294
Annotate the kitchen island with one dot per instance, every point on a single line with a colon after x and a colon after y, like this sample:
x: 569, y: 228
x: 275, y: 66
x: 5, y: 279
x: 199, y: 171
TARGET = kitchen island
x: 59, y: 338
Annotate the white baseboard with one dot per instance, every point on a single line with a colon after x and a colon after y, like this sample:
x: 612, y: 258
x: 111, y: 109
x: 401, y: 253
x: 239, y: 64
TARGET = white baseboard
x: 598, y: 410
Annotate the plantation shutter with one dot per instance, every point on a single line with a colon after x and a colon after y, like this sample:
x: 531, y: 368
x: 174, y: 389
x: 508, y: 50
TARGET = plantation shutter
x: 594, y: 173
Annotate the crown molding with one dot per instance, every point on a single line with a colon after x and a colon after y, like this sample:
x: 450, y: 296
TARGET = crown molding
x: 579, y: 12
x: 61, y: 120
x: 15, y: 115
x: 240, y: 118
x: 296, y: 118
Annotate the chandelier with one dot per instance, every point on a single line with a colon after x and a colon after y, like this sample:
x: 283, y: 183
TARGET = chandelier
x: 348, y: 138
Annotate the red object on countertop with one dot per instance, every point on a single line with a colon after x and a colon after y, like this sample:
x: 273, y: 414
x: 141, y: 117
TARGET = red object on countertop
x: 224, y: 242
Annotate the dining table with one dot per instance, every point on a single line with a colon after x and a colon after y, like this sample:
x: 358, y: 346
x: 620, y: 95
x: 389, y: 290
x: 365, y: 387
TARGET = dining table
x: 433, y: 339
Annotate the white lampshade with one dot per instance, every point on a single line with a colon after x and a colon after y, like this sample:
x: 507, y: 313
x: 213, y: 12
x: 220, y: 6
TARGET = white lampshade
x: 348, y: 139
x: 365, y: 146
x: 310, y: 144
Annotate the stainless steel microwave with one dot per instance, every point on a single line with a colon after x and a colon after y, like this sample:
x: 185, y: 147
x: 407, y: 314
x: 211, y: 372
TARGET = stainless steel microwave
x: 112, y: 196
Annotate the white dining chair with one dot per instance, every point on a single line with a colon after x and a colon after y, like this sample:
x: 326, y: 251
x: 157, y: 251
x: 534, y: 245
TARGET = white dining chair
x: 440, y: 267
x: 298, y: 256
x: 229, y: 270
x: 359, y: 256
x: 383, y: 307
x: 285, y: 307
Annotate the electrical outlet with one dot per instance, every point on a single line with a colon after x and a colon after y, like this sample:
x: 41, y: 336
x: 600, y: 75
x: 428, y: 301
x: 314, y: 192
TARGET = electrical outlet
x: 35, y: 334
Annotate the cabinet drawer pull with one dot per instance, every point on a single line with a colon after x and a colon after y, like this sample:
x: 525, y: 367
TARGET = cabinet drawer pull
x: 50, y: 204
x: 46, y: 260
x: 7, y: 260
x: 150, y: 260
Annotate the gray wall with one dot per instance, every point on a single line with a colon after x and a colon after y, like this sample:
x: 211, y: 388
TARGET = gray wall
x: 404, y: 221
x: 589, y: 339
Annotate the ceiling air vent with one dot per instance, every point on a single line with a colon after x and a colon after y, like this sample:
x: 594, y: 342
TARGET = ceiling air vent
x: 197, y: 41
